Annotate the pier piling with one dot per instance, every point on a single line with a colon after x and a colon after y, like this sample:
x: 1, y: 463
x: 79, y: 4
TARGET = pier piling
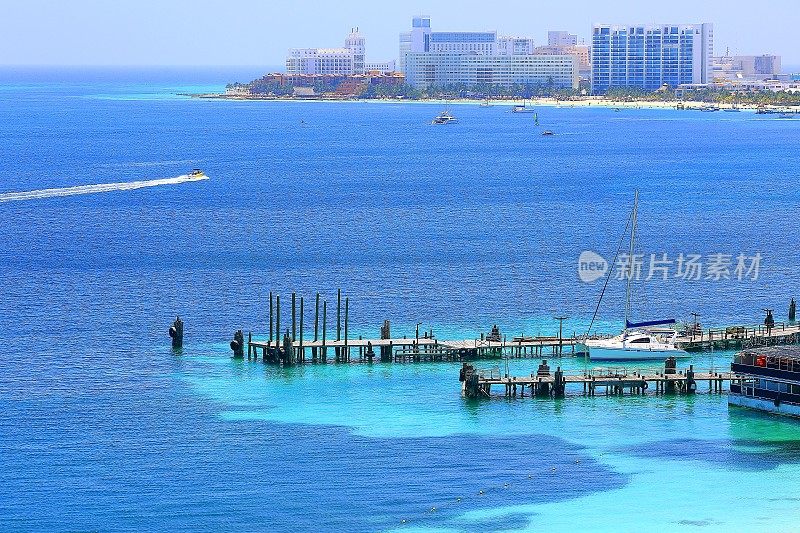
x: 302, y: 353
x: 237, y: 344
x: 324, y: 351
x: 316, y: 330
x: 346, y: 320
x: 176, y: 332
x: 278, y: 325
x: 270, y: 317
x: 294, y: 318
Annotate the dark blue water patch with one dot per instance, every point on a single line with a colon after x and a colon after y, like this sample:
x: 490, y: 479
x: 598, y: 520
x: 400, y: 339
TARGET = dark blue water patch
x: 126, y: 459
x: 504, y: 522
x: 740, y: 454
x: 699, y: 523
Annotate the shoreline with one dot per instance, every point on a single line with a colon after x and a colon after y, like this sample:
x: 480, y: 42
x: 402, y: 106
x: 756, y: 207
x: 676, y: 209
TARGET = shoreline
x: 583, y: 102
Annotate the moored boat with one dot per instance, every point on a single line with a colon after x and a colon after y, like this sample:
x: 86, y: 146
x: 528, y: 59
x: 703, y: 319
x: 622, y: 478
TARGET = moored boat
x: 767, y: 379
x: 444, y: 118
x: 638, y: 341
x: 523, y: 108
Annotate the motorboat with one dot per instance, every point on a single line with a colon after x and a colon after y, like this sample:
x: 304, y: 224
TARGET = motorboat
x: 444, y: 118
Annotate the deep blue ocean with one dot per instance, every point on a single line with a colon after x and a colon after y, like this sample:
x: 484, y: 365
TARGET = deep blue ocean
x: 103, y: 428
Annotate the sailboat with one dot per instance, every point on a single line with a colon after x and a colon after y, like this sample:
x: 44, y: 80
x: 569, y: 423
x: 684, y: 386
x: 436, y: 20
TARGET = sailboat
x: 523, y: 108
x: 638, y: 341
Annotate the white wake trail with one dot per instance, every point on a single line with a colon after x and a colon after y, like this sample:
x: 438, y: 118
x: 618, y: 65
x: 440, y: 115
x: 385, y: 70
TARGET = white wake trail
x: 96, y: 188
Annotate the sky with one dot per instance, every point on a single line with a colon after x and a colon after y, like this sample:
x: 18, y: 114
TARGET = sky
x: 252, y: 32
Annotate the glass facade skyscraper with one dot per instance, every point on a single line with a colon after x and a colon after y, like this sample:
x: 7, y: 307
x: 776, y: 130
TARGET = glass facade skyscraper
x: 650, y: 56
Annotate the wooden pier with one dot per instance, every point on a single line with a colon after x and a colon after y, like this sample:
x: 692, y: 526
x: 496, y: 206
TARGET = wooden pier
x: 416, y: 350
x: 609, y: 381
x: 738, y: 337
x: 289, y: 344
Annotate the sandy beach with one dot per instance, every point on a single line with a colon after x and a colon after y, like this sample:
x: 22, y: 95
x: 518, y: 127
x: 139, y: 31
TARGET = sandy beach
x: 587, y: 101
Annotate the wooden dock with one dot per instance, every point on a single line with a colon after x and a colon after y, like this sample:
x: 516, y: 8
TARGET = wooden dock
x: 609, y: 381
x: 424, y: 349
x: 291, y: 343
x: 739, y: 337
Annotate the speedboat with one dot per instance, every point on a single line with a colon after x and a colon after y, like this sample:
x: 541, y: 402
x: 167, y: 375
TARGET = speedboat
x: 444, y: 118
x: 547, y: 133
x: 196, y: 173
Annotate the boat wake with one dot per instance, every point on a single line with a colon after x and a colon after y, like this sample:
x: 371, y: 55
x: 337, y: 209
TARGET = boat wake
x: 98, y: 188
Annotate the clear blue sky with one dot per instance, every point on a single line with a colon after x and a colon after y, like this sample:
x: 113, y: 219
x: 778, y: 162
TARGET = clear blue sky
x: 253, y: 32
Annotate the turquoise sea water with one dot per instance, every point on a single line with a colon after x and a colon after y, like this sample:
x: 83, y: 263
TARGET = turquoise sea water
x: 103, y: 428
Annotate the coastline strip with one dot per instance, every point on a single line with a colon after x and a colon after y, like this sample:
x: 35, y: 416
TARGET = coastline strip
x: 97, y: 188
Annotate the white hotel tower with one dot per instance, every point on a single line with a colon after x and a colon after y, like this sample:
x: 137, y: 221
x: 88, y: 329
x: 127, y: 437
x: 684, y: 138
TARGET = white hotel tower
x: 479, y: 57
x: 334, y: 61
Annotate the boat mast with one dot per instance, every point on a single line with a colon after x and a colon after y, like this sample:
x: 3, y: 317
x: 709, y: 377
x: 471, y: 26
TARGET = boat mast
x: 630, y: 261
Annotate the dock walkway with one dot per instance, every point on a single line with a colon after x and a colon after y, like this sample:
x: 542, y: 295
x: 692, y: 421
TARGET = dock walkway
x: 610, y: 381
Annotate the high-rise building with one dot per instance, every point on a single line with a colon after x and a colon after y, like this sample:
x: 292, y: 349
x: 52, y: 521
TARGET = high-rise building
x: 650, y: 56
x: 471, y: 58
x: 580, y: 51
x: 561, y: 38
x: 434, y: 68
x: 355, y: 43
x: 329, y: 61
x: 514, y: 46
x: 380, y: 66
x: 729, y: 67
x: 417, y: 40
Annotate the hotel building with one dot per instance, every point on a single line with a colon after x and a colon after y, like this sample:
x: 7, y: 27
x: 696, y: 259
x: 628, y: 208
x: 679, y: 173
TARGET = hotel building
x: 471, y: 58
x: 345, y: 61
x: 650, y: 56
x: 761, y: 67
x: 561, y: 38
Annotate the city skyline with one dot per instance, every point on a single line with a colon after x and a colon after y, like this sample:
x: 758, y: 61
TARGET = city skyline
x: 146, y: 32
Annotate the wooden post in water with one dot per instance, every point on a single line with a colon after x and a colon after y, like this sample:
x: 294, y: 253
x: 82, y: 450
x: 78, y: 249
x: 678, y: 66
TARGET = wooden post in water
x: 270, y: 317
x: 346, y: 319
x: 338, y: 314
x: 294, y: 319
x: 324, y: 351
x: 278, y: 326
x: 338, y: 322
x: 302, y: 354
x: 386, y: 351
x: 176, y: 333
x: 316, y: 329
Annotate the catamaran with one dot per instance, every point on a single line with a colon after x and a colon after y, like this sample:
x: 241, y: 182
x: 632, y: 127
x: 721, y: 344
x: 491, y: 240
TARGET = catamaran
x: 444, y: 118
x: 638, y: 341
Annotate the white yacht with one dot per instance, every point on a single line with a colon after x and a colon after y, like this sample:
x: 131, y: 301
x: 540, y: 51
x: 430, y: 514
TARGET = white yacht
x: 637, y: 345
x: 523, y: 108
x: 444, y: 118
x: 638, y: 341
